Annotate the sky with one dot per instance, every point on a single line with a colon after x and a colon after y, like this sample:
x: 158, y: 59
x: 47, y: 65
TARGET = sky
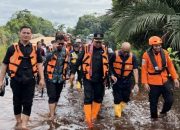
x: 57, y: 11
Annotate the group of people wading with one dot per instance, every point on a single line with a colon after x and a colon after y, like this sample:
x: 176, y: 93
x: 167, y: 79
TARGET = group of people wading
x: 95, y: 65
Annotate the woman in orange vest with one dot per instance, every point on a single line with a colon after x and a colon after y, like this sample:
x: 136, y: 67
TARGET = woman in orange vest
x: 55, y: 73
x: 123, y: 64
x: 156, y: 67
x: 94, y: 61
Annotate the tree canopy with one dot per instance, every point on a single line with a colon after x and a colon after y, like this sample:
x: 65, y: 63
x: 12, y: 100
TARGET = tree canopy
x: 137, y: 20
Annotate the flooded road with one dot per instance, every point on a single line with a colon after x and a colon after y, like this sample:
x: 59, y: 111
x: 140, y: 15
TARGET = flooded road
x: 70, y: 115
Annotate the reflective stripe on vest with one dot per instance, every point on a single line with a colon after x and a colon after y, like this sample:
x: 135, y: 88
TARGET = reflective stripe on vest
x: 52, y: 63
x: 16, y: 59
x: 119, y: 68
x: 86, y: 63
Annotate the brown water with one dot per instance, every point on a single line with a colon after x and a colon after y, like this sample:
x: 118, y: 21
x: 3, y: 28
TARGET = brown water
x: 70, y: 114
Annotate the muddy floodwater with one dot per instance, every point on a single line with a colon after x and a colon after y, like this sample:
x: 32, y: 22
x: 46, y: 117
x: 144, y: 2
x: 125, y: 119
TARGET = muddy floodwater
x: 70, y: 115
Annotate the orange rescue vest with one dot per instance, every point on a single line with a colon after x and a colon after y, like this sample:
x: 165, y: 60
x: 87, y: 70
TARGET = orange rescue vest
x: 16, y: 59
x: 87, y: 62
x: 118, y: 65
x: 52, y: 63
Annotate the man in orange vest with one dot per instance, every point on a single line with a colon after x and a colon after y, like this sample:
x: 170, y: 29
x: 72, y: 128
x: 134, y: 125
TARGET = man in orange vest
x: 22, y: 61
x: 94, y: 61
x: 123, y: 64
x: 56, y: 65
x: 156, y: 67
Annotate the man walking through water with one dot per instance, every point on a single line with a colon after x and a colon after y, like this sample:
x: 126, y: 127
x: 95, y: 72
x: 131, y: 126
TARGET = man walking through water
x: 156, y: 67
x: 94, y: 61
x: 55, y: 73
x: 123, y: 66
x: 22, y: 62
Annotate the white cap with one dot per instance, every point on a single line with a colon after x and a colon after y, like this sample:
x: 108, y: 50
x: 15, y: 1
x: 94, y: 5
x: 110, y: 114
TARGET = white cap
x: 78, y: 40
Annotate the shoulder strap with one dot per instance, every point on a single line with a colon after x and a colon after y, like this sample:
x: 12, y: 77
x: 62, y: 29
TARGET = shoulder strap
x: 163, y: 58
x: 34, y: 46
x: 155, y: 66
x: 151, y: 56
x: 16, y: 46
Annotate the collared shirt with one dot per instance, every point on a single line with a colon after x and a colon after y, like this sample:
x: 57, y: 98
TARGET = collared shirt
x: 58, y: 70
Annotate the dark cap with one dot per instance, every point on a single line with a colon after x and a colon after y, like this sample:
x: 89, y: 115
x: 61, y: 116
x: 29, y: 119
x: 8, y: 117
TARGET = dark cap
x: 98, y: 36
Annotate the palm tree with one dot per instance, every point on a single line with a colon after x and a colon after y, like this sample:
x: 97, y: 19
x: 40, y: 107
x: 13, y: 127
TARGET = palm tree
x: 137, y: 20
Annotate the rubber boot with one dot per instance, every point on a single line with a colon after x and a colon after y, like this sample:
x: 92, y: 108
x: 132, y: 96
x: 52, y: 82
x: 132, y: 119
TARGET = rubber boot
x: 95, y: 110
x: 117, y: 110
x: 123, y: 105
x: 71, y: 84
x: 88, y: 114
x: 78, y: 85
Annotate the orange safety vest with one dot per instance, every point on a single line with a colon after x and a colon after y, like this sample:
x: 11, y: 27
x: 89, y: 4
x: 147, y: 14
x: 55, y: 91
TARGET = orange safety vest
x: 118, y: 65
x: 149, y: 74
x: 52, y: 63
x: 16, y: 59
x: 87, y: 62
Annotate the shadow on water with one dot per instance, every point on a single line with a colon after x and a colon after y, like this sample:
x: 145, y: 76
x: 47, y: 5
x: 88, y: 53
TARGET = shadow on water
x: 70, y: 115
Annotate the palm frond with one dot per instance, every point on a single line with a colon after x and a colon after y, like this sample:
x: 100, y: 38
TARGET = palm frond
x: 130, y: 26
x: 175, y: 40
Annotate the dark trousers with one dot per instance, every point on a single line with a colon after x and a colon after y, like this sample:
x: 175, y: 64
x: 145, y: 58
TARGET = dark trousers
x: 23, y: 94
x: 154, y: 94
x: 121, y: 92
x: 93, y: 91
x: 79, y: 76
x: 54, y: 90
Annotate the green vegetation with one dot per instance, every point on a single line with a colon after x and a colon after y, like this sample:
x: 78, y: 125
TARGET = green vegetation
x: 128, y: 20
x: 9, y: 32
x: 38, y: 24
x: 3, y: 49
x: 89, y: 24
x: 175, y: 58
x: 137, y: 20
